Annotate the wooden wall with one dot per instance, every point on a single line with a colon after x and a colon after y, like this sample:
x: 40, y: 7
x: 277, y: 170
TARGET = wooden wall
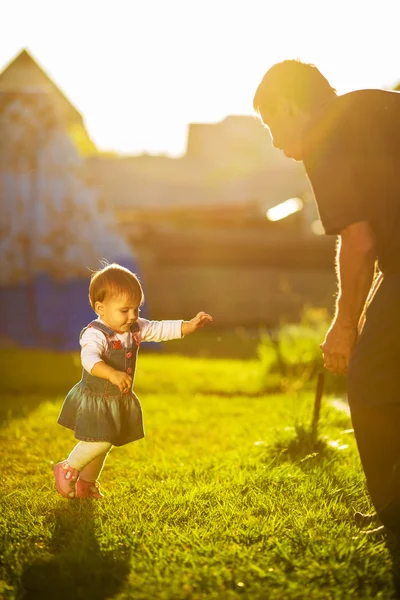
x: 248, y: 278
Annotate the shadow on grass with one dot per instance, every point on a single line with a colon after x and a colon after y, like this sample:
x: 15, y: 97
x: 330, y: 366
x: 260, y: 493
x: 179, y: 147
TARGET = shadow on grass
x: 17, y: 406
x: 303, y: 445
x: 76, y: 568
x: 393, y: 546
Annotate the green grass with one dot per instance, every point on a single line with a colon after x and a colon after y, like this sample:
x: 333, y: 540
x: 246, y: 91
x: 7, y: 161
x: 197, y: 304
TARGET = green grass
x: 225, y: 498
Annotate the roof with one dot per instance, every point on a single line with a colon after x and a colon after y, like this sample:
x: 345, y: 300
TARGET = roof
x: 127, y: 184
x: 24, y: 71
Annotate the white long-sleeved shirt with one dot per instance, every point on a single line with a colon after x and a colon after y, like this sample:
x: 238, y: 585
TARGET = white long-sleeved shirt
x: 94, y: 343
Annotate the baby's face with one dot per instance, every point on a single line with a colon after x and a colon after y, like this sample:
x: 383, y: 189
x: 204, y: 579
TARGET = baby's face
x: 119, y: 312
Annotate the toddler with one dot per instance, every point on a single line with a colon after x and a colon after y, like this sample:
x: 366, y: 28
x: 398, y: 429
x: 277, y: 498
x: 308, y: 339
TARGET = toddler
x: 102, y: 409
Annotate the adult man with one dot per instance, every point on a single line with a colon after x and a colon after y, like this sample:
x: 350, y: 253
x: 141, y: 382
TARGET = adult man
x: 350, y: 147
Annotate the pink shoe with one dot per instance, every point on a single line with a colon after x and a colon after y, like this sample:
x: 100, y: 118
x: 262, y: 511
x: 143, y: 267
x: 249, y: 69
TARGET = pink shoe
x: 88, y: 489
x: 66, y: 478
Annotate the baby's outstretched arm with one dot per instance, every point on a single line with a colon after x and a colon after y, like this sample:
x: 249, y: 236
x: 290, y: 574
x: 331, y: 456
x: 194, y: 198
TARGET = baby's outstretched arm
x: 196, y: 323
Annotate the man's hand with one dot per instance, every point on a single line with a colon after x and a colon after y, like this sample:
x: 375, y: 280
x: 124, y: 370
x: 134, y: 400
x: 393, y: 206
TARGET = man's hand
x: 122, y: 380
x: 196, y: 323
x: 338, y: 347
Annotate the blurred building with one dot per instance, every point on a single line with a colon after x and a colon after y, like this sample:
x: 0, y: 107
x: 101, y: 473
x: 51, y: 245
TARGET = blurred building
x: 237, y: 142
x: 229, y: 162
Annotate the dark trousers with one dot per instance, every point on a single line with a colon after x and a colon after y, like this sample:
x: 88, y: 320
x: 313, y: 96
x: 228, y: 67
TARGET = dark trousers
x: 374, y: 399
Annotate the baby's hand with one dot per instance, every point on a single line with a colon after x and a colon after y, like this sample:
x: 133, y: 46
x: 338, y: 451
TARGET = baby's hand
x: 122, y: 380
x: 196, y: 323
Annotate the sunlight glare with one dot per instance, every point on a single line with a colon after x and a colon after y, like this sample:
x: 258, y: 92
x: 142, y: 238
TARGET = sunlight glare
x: 284, y: 209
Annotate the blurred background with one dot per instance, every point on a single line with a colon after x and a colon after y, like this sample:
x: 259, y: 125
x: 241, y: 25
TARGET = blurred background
x: 127, y: 135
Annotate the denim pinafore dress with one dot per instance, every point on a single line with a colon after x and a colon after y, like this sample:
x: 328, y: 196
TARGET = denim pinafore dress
x: 95, y: 409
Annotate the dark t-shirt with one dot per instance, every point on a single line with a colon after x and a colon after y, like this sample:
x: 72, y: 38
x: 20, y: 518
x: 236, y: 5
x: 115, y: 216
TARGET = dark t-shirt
x: 351, y: 152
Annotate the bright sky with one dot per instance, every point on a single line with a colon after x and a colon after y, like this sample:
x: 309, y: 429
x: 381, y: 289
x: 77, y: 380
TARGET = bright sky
x: 140, y: 70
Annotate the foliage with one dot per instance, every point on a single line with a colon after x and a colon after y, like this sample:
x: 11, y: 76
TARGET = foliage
x: 293, y: 351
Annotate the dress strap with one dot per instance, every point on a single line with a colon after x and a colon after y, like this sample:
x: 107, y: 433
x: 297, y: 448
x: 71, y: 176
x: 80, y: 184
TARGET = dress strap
x: 97, y: 325
x: 105, y: 329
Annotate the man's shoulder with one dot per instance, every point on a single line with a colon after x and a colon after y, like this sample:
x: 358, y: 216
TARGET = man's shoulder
x: 367, y: 102
x: 359, y: 106
x: 351, y: 120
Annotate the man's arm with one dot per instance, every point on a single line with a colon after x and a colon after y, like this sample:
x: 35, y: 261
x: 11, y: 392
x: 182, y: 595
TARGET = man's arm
x: 355, y: 269
x: 355, y: 262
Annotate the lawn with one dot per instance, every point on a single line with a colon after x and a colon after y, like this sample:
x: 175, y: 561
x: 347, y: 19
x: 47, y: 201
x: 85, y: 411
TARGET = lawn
x: 225, y: 497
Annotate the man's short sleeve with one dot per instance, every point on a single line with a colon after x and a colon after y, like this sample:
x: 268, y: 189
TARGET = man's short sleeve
x: 338, y: 173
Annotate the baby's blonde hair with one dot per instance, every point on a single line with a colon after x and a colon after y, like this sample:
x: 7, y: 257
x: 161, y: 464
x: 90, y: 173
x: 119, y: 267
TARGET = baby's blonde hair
x: 114, y: 280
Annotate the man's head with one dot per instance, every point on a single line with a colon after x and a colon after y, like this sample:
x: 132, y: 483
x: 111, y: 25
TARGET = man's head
x: 289, y: 93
